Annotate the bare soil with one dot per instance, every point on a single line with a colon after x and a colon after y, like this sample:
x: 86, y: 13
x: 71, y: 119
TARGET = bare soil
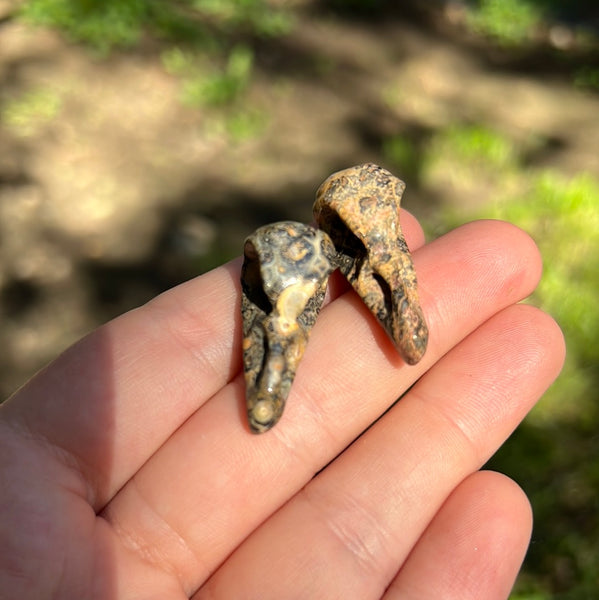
x: 126, y: 191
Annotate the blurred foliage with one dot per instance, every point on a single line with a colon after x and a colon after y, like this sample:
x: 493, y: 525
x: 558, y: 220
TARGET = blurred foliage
x: 464, y: 154
x: 103, y: 24
x: 210, y: 85
x: 263, y: 18
x: 514, y: 23
x: 106, y: 24
x: 561, y: 214
x: 205, y: 83
x: 587, y: 77
x: 244, y: 124
x: 201, y: 45
x: 553, y: 454
x: 508, y: 21
x: 28, y: 113
x: 475, y: 146
x: 401, y: 151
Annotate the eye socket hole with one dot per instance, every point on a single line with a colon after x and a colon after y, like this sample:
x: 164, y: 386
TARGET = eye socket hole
x: 342, y: 237
x: 251, y: 280
x: 351, y: 252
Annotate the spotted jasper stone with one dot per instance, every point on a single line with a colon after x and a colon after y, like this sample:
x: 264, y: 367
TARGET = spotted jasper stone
x: 359, y: 209
x: 284, y: 277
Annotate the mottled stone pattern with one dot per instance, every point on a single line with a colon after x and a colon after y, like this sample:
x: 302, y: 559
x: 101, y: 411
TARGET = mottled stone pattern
x: 284, y: 277
x: 359, y: 209
x: 285, y: 273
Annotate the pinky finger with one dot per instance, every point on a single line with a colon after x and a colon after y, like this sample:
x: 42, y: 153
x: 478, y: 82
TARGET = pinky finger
x: 474, y: 546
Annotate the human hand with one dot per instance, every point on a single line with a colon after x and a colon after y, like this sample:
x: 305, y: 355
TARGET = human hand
x: 128, y: 471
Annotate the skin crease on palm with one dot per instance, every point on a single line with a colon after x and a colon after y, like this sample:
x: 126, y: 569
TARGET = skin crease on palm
x: 128, y: 470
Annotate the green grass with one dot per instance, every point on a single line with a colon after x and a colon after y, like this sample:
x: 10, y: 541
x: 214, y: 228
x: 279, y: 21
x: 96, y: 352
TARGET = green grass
x: 553, y: 453
x: 200, y: 40
x: 107, y: 24
x: 469, y: 150
x: 402, y: 153
x: 101, y: 25
x: 470, y: 162
x: 563, y: 216
x: 560, y: 213
x: 260, y: 16
x: 219, y: 86
x: 245, y: 124
x: 509, y: 22
x: 27, y: 114
x: 587, y: 78
x: 219, y: 89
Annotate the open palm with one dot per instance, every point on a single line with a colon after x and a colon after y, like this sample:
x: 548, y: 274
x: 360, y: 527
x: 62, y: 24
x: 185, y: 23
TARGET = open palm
x: 128, y: 471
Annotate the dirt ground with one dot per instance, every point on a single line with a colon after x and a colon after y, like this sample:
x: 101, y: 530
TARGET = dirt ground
x: 120, y: 191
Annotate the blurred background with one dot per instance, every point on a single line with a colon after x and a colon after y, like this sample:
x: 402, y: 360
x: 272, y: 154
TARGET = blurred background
x: 141, y: 141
